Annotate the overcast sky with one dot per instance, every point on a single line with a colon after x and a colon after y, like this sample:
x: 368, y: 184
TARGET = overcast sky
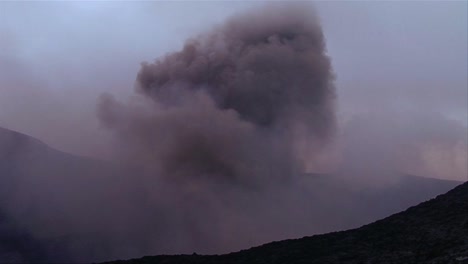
x: 398, y: 58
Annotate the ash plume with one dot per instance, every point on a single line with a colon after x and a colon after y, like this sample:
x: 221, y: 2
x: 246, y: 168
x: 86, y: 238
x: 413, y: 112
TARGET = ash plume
x: 230, y: 104
x: 211, y: 149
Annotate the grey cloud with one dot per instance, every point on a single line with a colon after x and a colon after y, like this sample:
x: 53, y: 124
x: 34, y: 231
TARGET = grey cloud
x: 232, y: 98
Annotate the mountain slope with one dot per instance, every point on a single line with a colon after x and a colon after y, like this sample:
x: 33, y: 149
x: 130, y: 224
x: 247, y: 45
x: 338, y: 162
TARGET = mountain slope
x: 57, y: 207
x: 435, y: 231
x: 43, y: 194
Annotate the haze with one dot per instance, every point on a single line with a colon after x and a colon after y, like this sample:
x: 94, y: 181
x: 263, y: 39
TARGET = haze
x: 216, y: 126
x: 402, y: 62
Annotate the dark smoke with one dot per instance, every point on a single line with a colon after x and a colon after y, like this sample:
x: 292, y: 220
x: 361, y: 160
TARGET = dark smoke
x: 209, y: 152
x: 232, y: 103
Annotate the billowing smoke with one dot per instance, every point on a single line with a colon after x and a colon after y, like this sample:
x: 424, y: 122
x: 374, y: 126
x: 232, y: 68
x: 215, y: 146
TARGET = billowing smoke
x: 212, y: 148
x: 213, y: 133
x: 232, y: 103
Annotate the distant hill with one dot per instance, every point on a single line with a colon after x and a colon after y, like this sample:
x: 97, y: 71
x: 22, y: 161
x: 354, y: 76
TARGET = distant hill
x: 435, y: 231
x: 58, y: 207
x: 41, y: 191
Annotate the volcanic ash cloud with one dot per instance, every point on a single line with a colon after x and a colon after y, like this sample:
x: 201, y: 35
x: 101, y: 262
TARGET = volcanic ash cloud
x: 233, y: 103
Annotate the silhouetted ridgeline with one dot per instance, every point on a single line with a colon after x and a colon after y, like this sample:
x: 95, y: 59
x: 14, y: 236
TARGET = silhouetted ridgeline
x: 60, y: 208
x: 435, y: 231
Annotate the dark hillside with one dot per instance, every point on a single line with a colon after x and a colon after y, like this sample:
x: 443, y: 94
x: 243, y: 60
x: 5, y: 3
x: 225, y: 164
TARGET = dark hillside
x: 435, y: 231
x: 57, y: 207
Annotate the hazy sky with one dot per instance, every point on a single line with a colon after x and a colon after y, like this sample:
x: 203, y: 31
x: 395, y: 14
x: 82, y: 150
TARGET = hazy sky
x: 406, y: 60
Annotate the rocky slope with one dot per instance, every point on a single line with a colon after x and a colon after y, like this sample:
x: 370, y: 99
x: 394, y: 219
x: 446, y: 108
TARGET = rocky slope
x: 57, y: 207
x: 435, y: 231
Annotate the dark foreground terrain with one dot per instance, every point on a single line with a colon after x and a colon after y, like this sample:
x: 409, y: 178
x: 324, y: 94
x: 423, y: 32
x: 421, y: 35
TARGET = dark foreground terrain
x: 435, y: 231
x: 60, y: 208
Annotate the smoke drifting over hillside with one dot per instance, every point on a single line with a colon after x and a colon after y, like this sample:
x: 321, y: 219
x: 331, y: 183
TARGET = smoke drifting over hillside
x: 234, y: 101
x: 212, y: 148
x: 215, y: 130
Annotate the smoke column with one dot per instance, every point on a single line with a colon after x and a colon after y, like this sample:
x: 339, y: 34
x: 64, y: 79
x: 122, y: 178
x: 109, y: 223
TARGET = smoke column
x: 208, y: 148
x: 231, y: 105
x: 210, y: 153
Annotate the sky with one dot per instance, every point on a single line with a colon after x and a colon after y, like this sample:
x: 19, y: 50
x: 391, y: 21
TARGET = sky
x: 401, y: 71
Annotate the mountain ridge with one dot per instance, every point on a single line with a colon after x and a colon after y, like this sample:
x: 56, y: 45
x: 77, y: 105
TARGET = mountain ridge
x: 32, y: 175
x: 419, y: 234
